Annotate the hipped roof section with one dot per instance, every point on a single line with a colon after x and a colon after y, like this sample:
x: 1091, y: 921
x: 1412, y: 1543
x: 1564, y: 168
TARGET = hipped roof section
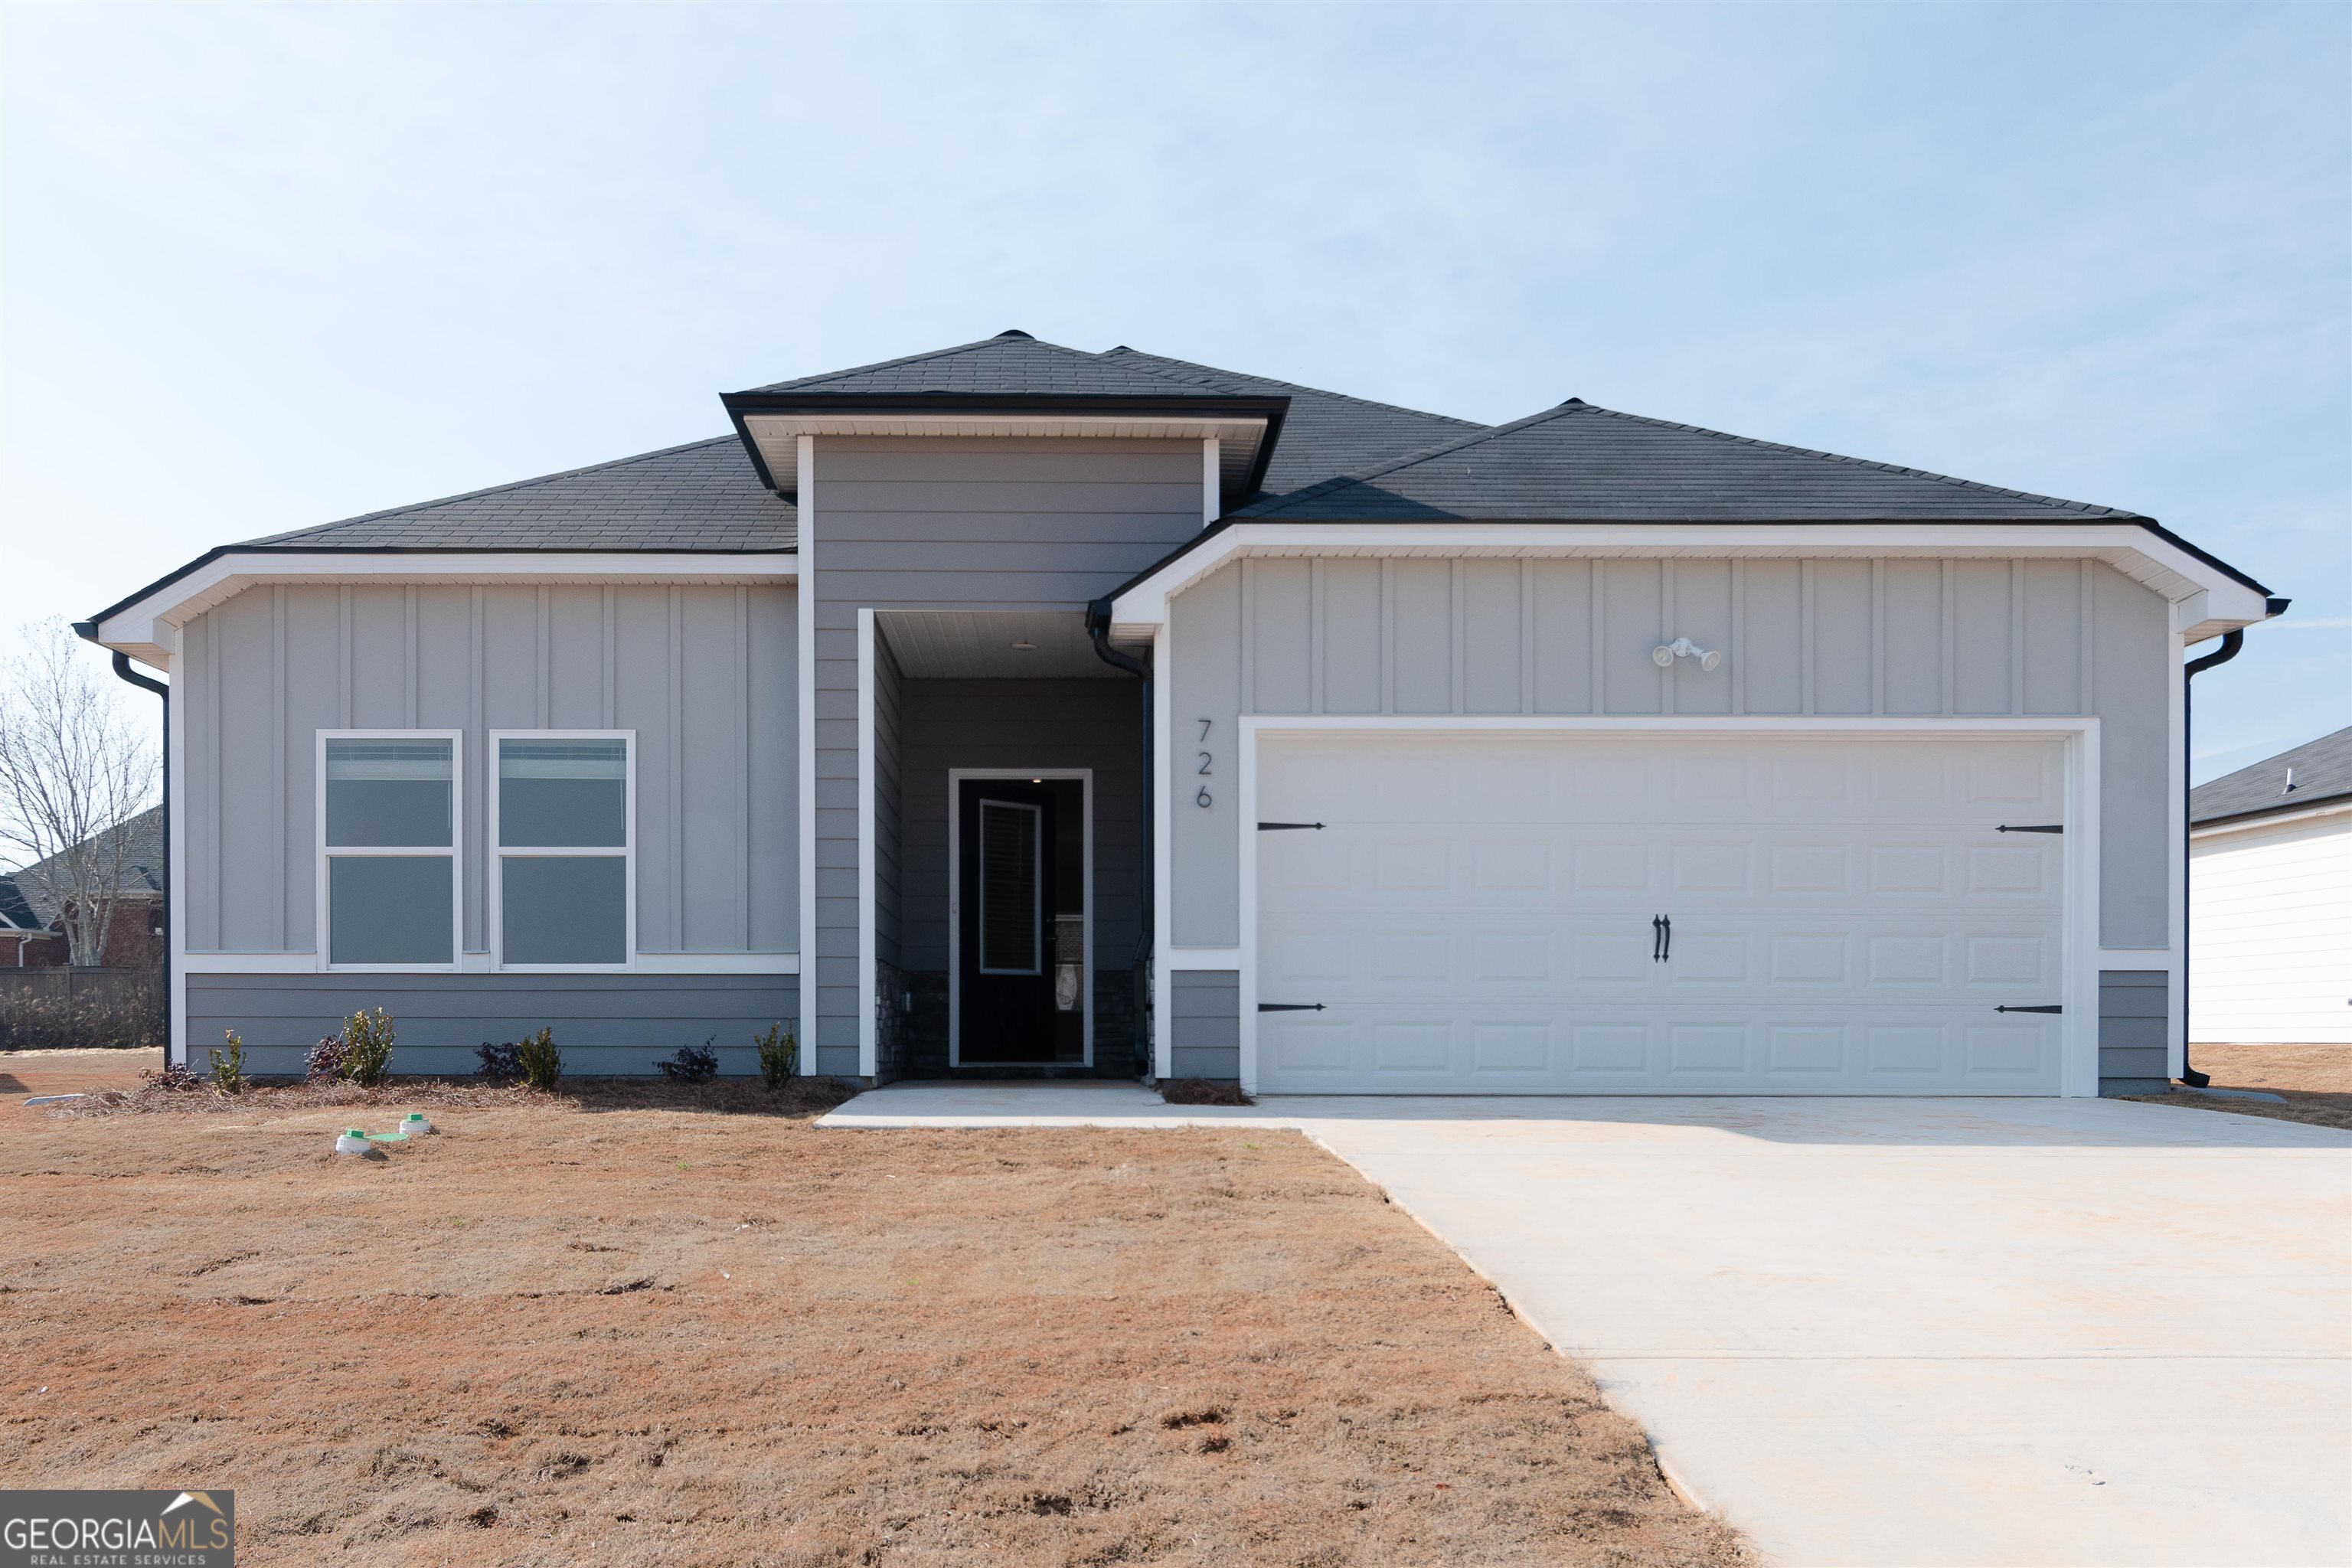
x: 1583, y: 463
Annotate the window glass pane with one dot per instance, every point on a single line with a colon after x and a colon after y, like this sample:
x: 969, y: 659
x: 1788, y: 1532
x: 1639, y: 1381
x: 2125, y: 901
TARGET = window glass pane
x: 1008, y: 888
x: 563, y: 793
x: 562, y: 908
x: 388, y: 909
x: 387, y: 794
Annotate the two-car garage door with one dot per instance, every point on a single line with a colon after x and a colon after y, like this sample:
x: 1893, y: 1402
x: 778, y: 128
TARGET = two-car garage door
x: 1560, y: 911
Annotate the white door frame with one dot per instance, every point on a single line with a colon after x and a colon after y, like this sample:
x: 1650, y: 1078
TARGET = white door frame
x: 2078, y: 1073
x: 956, y: 777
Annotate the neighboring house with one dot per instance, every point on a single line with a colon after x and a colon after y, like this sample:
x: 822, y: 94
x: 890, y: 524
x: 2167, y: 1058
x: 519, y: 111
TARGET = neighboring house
x: 35, y: 907
x: 1588, y: 753
x: 2270, y: 891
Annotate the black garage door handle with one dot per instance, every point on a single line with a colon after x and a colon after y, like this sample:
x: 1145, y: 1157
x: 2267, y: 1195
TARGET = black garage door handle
x: 1290, y: 1007
x: 2050, y: 1009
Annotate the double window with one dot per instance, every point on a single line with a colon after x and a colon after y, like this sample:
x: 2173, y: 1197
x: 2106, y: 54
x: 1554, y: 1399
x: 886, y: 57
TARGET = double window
x: 562, y: 849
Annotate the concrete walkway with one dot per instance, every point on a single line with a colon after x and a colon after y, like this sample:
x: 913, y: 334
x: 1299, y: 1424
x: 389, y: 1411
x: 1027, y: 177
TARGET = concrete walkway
x: 1877, y: 1331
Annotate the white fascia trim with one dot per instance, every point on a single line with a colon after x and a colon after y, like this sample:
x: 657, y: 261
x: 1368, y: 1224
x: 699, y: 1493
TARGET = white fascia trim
x: 2079, y: 987
x: 777, y: 436
x: 804, y: 699
x: 2273, y: 819
x: 2154, y: 562
x: 869, y: 898
x: 148, y: 629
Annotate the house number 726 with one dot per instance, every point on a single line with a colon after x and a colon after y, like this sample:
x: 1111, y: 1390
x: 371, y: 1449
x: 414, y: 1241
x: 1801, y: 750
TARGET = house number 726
x: 1202, y: 799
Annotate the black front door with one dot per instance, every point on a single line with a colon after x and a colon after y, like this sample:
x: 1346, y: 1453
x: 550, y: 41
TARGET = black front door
x: 1009, y: 876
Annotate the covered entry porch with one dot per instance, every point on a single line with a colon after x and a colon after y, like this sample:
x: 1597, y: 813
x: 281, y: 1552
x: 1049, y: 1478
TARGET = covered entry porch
x: 1005, y: 920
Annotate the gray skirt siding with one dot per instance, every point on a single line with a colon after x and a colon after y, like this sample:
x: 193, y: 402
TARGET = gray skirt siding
x: 607, y: 1025
x: 1204, y: 1022
x: 1410, y: 635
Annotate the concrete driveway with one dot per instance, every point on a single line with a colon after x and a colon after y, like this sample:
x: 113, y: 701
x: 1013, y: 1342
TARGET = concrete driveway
x: 1876, y: 1331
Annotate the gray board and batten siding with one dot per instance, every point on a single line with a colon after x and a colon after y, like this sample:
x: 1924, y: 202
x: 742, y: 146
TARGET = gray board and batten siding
x: 1370, y: 635
x: 606, y: 1024
x: 954, y: 523
x: 703, y: 674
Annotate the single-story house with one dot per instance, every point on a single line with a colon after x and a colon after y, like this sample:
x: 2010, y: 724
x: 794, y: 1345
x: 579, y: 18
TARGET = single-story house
x: 1012, y: 708
x: 2270, y: 891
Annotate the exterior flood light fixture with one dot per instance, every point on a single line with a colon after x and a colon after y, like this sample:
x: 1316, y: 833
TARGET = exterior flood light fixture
x: 1664, y: 654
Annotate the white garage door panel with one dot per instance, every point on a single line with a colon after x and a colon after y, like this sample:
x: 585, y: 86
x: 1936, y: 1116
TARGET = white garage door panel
x: 1475, y: 914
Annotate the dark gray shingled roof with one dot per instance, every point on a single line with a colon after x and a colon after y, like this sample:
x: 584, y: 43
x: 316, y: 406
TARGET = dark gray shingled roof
x: 1326, y: 433
x: 1011, y: 362
x: 701, y: 496
x: 1582, y: 463
x: 2323, y: 771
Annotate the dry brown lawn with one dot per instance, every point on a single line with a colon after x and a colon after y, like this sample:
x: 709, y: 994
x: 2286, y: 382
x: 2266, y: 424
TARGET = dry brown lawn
x: 650, y: 1326
x: 2315, y: 1082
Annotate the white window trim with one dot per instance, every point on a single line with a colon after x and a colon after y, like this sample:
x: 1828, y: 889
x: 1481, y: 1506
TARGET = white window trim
x: 497, y: 853
x: 956, y: 777
x: 323, y: 960
x: 2078, y: 1075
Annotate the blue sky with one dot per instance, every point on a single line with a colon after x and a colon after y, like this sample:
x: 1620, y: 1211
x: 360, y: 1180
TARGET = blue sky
x: 262, y: 267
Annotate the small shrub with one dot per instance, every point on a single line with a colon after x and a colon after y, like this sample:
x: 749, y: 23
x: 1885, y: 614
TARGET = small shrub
x: 692, y: 1064
x: 367, y: 1047
x: 541, y: 1062
x: 326, y: 1059
x: 780, y: 1056
x: 501, y: 1064
x: 228, y: 1066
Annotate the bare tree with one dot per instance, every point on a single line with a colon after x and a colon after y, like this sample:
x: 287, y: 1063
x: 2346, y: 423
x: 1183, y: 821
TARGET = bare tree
x: 74, y: 772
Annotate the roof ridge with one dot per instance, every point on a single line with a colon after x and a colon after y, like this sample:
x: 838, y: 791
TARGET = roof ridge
x: 725, y: 440
x: 1390, y: 464
x: 798, y: 383
x: 1292, y: 385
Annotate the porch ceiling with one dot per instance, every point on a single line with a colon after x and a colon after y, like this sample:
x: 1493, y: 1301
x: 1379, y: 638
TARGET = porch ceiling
x: 968, y: 644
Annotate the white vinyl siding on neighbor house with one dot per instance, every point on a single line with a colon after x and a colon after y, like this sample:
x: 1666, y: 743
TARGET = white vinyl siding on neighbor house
x: 2271, y: 911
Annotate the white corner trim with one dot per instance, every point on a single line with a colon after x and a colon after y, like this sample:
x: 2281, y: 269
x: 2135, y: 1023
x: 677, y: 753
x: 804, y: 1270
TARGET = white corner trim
x: 1164, y: 861
x: 1212, y: 499
x: 868, y: 900
x: 804, y: 699
x: 176, y: 870
x: 2155, y: 561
